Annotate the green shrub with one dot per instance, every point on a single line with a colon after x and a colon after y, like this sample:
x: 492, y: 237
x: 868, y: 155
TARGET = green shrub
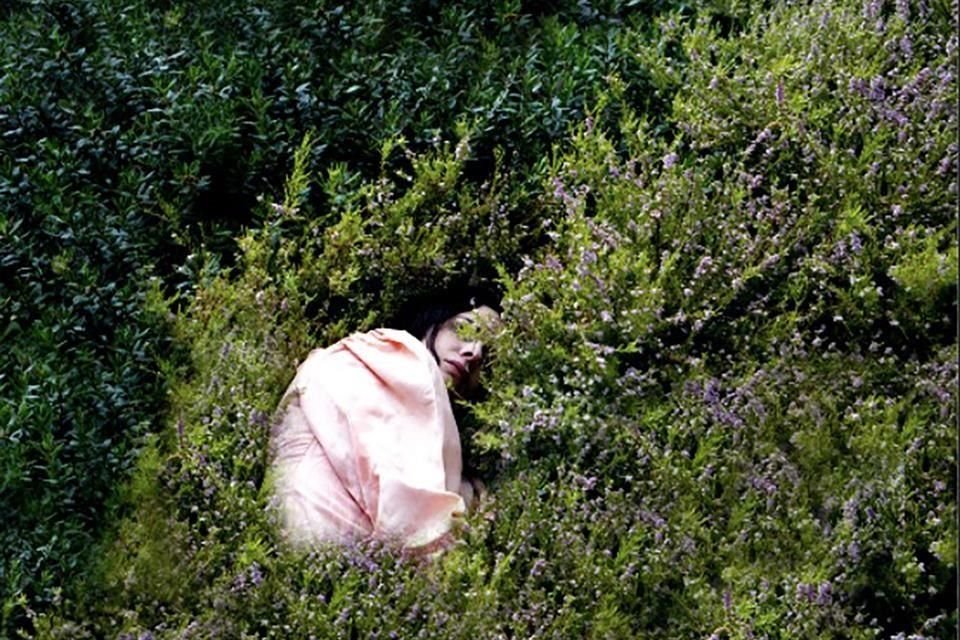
x: 79, y: 385
x: 725, y: 401
x: 135, y: 140
x: 741, y: 327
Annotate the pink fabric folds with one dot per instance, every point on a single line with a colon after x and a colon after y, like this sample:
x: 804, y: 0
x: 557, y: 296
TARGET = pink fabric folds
x: 367, y: 446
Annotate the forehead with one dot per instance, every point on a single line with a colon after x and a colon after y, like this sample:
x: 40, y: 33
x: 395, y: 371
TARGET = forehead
x: 484, y: 316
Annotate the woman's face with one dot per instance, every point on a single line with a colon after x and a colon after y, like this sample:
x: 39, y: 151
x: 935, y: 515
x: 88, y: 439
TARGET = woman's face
x: 458, y: 348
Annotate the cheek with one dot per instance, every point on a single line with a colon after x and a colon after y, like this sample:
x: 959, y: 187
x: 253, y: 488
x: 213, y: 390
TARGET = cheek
x: 443, y: 345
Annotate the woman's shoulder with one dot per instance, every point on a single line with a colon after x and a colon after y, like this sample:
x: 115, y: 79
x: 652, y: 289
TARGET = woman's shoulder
x: 376, y: 343
x: 394, y: 357
x: 390, y: 343
x: 396, y: 336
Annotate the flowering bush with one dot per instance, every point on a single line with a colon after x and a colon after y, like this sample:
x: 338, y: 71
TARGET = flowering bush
x: 723, y: 331
x: 135, y: 140
x: 724, y: 405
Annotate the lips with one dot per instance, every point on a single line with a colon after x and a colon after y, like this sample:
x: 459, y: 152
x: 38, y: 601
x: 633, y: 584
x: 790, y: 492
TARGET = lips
x: 458, y: 369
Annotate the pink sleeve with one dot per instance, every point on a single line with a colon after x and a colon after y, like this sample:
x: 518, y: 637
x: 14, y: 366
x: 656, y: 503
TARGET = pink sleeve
x: 315, y: 502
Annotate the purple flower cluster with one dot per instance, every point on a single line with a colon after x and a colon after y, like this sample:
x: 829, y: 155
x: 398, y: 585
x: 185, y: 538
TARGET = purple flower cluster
x: 820, y: 594
x: 251, y: 577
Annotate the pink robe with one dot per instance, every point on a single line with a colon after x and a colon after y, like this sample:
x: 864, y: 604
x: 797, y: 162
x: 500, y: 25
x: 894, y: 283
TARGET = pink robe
x: 367, y: 446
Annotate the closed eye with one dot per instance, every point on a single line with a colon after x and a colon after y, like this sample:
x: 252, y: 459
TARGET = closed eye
x: 466, y: 328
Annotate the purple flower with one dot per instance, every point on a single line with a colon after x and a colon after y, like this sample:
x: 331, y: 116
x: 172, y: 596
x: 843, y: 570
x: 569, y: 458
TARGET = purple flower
x: 730, y: 419
x: 855, y: 244
x: 945, y: 76
x: 944, y: 167
x: 903, y: 10
x: 906, y: 46
x: 857, y: 85
x: 850, y: 509
x: 256, y: 575
x: 669, y: 160
x: 727, y: 600
x: 824, y: 594
x: 559, y: 191
x: 239, y: 582
x: 587, y: 482
x: 703, y: 267
x: 779, y: 93
x: 853, y: 550
x: 538, y: 566
x: 872, y: 8
x: 711, y: 393
x: 895, y: 116
x: 878, y: 89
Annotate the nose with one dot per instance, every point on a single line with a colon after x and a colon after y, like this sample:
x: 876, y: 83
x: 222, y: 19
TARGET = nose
x: 471, y: 352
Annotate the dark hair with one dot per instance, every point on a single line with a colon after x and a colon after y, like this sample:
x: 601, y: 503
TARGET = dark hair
x: 423, y: 314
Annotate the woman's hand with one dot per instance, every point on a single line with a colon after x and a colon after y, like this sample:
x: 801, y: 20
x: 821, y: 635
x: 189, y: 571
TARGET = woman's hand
x: 474, y: 491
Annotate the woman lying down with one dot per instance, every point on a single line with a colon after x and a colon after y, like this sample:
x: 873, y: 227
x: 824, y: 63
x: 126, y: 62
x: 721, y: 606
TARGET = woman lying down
x: 366, y: 446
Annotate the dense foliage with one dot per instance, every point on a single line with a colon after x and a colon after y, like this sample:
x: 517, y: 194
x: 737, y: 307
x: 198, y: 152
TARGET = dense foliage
x: 135, y: 142
x: 725, y: 401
